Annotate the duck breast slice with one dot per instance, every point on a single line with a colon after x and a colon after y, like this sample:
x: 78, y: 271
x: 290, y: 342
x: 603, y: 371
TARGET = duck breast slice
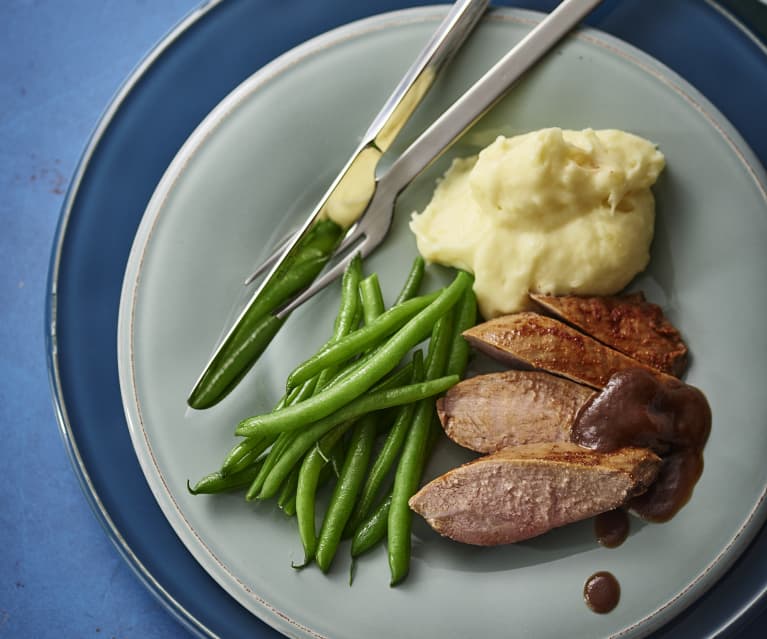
x: 627, y: 323
x: 524, y: 491
x: 493, y: 411
x: 530, y: 340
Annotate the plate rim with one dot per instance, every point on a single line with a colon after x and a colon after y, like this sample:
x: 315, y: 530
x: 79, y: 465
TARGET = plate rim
x: 59, y: 400
x: 66, y: 432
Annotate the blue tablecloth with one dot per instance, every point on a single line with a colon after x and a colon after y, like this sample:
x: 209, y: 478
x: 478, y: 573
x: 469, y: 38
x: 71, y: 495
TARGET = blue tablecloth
x: 60, y: 63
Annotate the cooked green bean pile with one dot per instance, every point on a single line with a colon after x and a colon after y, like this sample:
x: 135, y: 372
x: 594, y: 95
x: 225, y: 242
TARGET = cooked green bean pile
x: 360, y: 411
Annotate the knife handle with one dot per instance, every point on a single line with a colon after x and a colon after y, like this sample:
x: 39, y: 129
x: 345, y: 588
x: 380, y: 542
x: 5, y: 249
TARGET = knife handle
x: 407, y: 95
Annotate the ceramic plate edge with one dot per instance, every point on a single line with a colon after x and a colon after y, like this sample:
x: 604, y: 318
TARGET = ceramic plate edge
x: 173, y: 606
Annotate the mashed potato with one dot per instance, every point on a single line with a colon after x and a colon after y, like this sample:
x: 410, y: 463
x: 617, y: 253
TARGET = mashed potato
x: 552, y: 211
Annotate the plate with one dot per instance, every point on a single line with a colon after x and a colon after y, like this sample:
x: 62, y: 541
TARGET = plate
x: 252, y: 168
x: 157, y: 108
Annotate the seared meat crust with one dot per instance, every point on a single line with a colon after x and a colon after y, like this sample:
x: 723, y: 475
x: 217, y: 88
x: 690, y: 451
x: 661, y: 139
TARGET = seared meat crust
x: 531, y: 340
x: 627, y: 323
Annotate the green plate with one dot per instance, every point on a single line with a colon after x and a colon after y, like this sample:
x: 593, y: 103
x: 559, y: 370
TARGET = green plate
x: 253, y: 169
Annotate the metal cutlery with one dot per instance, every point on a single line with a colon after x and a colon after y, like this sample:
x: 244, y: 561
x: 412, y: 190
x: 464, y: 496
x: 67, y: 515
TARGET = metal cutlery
x: 346, y: 199
x: 370, y: 210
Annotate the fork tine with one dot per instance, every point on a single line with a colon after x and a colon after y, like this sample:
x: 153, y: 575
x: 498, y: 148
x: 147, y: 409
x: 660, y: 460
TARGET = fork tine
x: 364, y: 248
x: 352, y: 236
x: 369, y: 231
x: 271, y: 259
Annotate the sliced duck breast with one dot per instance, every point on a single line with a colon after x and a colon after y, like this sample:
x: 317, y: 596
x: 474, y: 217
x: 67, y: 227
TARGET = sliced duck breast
x: 523, y: 491
x: 627, y: 323
x: 493, y: 411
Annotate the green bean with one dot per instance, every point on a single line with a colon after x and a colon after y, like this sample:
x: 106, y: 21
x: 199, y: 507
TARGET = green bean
x: 410, y: 468
x: 315, y: 462
x: 336, y: 456
x: 413, y: 281
x: 348, y: 315
x: 258, y: 326
x: 355, y: 409
x: 347, y: 310
x: 243, y: 450
x: 439, y: 346
x: 388, y: 453
x: 349, y: 307
x: 289, y: 508
x: 372, y: 298
x: 288, y: 399
x: 402, y: 374
x: 252, y: 448
x: 356, y: 342
x: 308, y: 480
x: 383, y: 393
x: 384, y: 397
x: 410, y: 289
x: 288, y: 489
x: 218, y: 483
x: 465, y: 318
x: 382, y: 362
x: 400, y: 377
x: 244, y: 453
x: 282, y: 441
x: 302, y: 393
x: 373, y: 529
x: 346, y: 490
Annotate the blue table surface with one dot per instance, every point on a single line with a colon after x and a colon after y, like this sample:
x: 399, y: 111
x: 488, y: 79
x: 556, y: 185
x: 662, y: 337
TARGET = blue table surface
x: 60, y: 63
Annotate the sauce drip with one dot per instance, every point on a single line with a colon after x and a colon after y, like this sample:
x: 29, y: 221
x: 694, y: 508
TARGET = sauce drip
x: 612, y: 527
x: 602, y: 592
x: 669, y: 417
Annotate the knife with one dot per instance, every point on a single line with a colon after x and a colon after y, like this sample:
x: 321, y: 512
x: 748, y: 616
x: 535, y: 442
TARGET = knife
x: 308, y: 250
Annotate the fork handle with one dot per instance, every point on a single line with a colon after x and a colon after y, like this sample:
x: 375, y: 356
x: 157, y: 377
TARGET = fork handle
x: 484, y: 93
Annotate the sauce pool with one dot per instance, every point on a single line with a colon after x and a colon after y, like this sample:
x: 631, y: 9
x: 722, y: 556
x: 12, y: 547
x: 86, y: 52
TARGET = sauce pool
x: 602, y: 592
x: 612, y: 527
x: 673, y: 419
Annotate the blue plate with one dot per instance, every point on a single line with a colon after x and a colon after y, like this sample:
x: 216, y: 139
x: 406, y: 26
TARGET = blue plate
x: 169, y: 94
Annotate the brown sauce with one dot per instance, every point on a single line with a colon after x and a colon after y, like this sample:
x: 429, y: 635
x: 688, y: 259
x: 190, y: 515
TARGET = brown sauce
x: 612, y: 528
x: 602, y: 592
x: 671, y: 418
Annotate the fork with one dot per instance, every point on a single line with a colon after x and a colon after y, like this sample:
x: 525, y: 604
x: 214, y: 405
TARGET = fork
x: 371, y: 229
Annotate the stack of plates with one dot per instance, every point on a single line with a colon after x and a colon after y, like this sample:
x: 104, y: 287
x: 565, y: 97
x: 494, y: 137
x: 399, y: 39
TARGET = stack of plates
x: 254, y: 146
